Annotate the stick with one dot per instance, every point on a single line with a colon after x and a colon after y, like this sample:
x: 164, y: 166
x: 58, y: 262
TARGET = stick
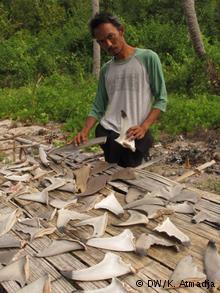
x: 26, y: 141
x: 18, y: 147
x: 14, y: 146
x: 8, y: 138
x: 196, y: 170
x: 149, y: 163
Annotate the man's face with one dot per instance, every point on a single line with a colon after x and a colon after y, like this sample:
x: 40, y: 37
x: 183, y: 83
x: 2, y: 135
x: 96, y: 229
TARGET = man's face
x: 110, y: 38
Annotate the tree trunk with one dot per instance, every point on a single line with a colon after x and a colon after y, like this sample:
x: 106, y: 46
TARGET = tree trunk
x: 195, y: 35
x: 193, y: 27
x: 96, y: 47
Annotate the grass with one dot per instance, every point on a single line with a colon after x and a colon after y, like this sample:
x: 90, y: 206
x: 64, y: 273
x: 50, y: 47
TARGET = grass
x: 61, y: 98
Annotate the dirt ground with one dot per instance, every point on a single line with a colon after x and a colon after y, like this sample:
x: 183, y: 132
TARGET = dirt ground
x: 185, y: 153
x: 178, y: 155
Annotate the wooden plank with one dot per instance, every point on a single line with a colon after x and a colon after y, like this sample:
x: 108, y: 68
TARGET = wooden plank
x: 156, y: 177
x: 38, y: 267
x: 209, y: 206
x: 114, y: 233
x: 155, y: 269
x: 67, y: 261
x: 19, y: 147
x: 165, y: 258
x: 60, y: 261
x: 149, y: 163
x: 146, y: 183
x: 207, y: 195
x: 145, y: 174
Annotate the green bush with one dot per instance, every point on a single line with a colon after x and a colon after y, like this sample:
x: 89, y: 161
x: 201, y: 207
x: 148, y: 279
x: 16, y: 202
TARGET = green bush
x: 185, y: 114
x: 46, y: 59
x: 59, y: 98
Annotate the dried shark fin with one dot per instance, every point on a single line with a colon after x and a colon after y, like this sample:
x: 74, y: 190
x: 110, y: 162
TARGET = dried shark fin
x: 168, y: 192
x: 55, y: 183
x: 7, y: 241
x: 61, y: 246
x: 134, y: 219
x: 41, y: 197
x: 212, y: 263
x: 16, y: 271
x: 122, y: 242
x: 26, y: 169
x: 186, y: 270
x: 100, y: 166
x: 94, y: 185
x: 132, y: 194
x: 18, y: 166
x: 122, y: 139
x: 68, y: 187
x: 116, y: 286
x: 38, y: 173
x: 43, y: 156
x: 111, y: 203
x: 123, y: 174
x: 20, y: 178
x: 33, y: 222
x: 90, y: 201
x: 146, y: 200
x: 182, y: 208
x: 99, y: 224
x: 7, y: 256
x: 27, y: 230
x: 171, y: 230
x: 61, y: 204
x: 204, y: 216
x: 35, y: 232
x: 15, y: 189
x: 47, y: 214
x: 154, y: 211
x: 185, y: 195
x: 55, y: 157
x: 7, y: 221
x: 41, y: 285
x: 144, y: 242
x: 82, y: 176
x: 44, y: 231
x: 64, y: 216
x: 111, y: 266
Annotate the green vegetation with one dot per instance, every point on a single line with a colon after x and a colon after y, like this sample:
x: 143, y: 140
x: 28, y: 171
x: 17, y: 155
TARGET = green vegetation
x: 46, y: 59
x: 210, y: 184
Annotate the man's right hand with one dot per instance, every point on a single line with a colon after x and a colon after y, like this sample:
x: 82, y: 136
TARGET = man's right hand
x: 81, y: 137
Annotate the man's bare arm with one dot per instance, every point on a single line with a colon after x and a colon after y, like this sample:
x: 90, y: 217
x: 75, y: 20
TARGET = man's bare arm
x: 138, y: 131
x: 82, y: 136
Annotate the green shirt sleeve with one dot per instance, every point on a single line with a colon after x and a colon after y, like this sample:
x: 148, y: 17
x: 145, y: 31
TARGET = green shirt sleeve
x: 101, y: 100
x: 157, y: 84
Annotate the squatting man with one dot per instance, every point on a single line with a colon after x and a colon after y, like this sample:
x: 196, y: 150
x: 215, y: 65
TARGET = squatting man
x: 131, y: 87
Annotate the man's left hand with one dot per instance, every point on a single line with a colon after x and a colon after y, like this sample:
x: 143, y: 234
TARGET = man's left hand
x: 136, y: 132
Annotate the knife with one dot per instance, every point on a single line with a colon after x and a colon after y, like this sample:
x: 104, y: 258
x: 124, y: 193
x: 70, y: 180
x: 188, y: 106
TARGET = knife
x: 73, y: 148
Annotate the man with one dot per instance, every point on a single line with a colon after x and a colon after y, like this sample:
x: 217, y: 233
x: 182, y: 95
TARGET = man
x: 132, y: 84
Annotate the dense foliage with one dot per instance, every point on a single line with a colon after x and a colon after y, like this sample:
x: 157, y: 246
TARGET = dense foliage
x: 46, y: 59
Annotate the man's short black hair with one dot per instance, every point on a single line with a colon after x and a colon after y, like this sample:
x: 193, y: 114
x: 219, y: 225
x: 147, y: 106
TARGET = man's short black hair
x: 103, y: 17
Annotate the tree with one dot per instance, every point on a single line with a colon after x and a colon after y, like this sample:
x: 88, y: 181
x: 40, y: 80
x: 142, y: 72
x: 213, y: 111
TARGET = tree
x: 96, y: 47
x: 195, y: 35
x: 193, y: 27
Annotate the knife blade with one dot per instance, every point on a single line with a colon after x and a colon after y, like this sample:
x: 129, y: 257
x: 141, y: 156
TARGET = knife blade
x: 73, y: 148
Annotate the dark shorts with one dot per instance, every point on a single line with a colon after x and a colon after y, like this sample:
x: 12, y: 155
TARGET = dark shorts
x: 115, y: 153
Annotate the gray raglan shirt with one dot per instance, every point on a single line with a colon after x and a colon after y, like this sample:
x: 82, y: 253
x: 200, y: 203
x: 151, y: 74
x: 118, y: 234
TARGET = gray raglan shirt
x: 134, y: 85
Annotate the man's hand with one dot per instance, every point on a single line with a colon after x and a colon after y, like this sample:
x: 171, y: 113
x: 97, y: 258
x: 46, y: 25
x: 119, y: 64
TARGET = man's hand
x: 136, y: 132
x: 81, y: 137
